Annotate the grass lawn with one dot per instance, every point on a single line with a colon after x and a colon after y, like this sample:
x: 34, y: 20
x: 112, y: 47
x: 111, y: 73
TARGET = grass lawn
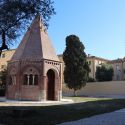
x: 85, y: 99
x: 51, y: 115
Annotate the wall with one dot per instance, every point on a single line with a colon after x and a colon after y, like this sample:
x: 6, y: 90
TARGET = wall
x: 91, y: 65
x: 124, y: 70
x: 118, y: 73
x: 3, y: 60
x: 97, y: 62
x: 99, y: 89
x: 63, y: 65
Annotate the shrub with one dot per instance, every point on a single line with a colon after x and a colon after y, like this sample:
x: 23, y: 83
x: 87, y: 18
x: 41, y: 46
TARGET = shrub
x: 104, y: 72
x: 91, y: 79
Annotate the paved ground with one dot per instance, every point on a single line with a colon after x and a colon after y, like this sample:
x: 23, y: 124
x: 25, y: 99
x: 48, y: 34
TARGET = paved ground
x: 113, y: 118
x: 5, y: 102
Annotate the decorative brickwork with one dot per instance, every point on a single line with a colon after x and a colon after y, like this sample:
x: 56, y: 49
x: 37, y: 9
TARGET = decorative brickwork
x: 29, y: 76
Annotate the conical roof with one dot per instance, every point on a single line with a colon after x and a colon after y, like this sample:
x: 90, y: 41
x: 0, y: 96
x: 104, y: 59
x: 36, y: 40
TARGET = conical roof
x: 35, y: 44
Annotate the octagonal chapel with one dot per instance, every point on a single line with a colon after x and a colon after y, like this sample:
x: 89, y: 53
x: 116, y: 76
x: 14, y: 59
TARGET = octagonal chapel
x: 34, y: 71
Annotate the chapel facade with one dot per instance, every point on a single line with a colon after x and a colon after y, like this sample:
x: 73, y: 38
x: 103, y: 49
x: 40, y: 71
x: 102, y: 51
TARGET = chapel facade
x: 34, y: 71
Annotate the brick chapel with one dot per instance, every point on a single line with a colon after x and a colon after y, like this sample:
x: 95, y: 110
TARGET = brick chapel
x: 34, y: 71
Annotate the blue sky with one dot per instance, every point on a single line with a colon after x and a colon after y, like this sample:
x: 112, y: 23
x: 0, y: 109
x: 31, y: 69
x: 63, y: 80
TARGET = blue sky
x: 100, y: 25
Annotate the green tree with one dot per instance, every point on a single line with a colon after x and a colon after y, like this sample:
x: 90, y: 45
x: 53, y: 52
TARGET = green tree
x: 15, y: 16
x: 104, y: 72
x: 76, y: 70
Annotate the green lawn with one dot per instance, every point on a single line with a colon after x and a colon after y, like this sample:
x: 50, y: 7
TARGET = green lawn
x: 86, y: 99
x: 51, y: 115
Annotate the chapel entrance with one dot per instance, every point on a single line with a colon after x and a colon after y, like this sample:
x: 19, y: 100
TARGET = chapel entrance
x: 50, y: 85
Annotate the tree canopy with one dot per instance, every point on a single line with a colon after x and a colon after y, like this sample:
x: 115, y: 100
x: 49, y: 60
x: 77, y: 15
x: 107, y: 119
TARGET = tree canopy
x: 15, y: 16
x: 76, y: 70
x: 104, y: 72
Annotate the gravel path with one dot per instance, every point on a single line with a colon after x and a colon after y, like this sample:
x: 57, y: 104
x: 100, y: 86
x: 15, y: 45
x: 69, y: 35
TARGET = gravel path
x: 113, y: 118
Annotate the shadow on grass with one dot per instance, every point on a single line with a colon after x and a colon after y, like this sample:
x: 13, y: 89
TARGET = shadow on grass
x: 51, y: 115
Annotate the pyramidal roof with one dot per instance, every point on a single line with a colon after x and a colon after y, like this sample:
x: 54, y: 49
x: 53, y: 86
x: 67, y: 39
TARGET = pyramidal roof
x: 35, y: 44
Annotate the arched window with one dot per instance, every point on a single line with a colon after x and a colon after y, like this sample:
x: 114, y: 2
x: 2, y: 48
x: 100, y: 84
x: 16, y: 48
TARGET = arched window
x: 30, y: 77
x: 36, y: 80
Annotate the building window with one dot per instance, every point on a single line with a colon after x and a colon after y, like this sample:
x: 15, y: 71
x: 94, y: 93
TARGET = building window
x: 89, y: 62
x: 117, y: 67
x: 36, y: 80
x: 30, y: 79
x: 3, y: 55
x: 3, y: 66
x: 100, y: 63
x: 30, y: 76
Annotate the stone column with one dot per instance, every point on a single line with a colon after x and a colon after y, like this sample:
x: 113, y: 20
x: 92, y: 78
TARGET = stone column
x: 42, y: 96
x: 33, y: 79
x: 14, y: 79
x: 28, y: 79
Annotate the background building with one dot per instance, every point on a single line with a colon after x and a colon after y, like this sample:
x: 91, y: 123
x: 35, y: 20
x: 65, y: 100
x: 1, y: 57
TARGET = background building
x: 119, y: 69
x: 5, y: 56
x: 118, y: 64
x: 93, y: 62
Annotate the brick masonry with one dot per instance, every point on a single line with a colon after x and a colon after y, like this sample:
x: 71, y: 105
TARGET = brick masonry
x: 34, y: 56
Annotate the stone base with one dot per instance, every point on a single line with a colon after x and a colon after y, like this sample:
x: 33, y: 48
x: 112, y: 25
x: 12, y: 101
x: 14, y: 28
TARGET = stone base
x: 42, y: 96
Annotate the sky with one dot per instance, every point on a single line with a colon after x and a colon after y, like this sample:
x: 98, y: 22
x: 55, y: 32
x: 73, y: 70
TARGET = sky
x: 100, y: 25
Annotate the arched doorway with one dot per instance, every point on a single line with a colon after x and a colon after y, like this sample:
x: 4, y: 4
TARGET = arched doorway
x: 50, y: 85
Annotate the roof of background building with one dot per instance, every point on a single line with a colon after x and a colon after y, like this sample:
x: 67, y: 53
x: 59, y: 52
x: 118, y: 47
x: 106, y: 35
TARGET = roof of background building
x: 9, y: 50
x: 97, y: 58
x: 117, y: 60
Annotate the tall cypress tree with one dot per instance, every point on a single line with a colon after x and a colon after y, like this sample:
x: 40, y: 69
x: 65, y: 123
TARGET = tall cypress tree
x: 76, y: 70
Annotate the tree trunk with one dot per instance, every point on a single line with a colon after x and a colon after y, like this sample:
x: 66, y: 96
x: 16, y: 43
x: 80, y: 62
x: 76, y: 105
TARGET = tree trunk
x: 0, y: 52
x: 4, y: 45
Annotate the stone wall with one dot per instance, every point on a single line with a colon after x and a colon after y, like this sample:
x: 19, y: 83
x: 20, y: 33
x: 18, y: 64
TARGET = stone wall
x: 99, y: 89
